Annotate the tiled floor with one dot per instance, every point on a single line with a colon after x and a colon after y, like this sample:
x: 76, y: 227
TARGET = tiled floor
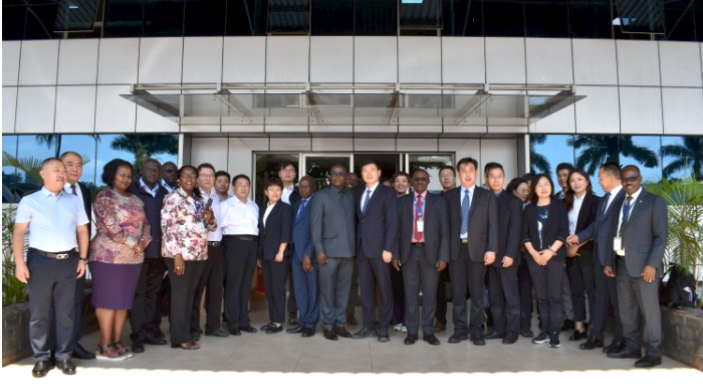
x: 265, y: 358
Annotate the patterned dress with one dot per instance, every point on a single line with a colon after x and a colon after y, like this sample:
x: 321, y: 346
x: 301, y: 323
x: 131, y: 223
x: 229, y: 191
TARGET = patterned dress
x: 184, y: 228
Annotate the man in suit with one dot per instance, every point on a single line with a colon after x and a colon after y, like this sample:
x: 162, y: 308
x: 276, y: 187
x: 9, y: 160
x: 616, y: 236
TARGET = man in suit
x: 423, y: 244
x: 303, y: 264
x: 333, y: 238
x: 74, y: 170
x: 473, y: 243
x: 605, y: 287
x: 640, y: 232
x: 502, y: 283
x: 352, y: 180
x: 169, y: 176
x: 287, y: 173
x: 447, y: 178
x: 377, y: 230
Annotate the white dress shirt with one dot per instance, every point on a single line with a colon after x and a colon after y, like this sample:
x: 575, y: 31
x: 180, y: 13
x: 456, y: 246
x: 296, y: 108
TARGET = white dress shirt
x: 632, y: 208
x: 239, y: 218
x: 153, y: 192
x: 269, y: 207
x: 363, y: 196
x: 213, y: 236
x: 574, y: 213
x: 615, y: 191
x: 165, y: 185
x: 285, y: 194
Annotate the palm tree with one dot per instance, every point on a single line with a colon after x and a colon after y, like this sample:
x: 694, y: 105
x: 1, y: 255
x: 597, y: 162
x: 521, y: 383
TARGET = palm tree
x: 51, y: 141
x: 688, y: 155
x: 144, y: 146
x: 538, y: 163
x: 600, y: 149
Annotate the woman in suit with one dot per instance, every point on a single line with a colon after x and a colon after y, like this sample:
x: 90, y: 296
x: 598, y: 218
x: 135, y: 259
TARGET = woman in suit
x: 581, y: 205
x: 274, y: 234
x: 544, y: 231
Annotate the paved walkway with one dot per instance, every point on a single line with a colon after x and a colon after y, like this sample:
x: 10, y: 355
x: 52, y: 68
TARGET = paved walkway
x: 287, y: 358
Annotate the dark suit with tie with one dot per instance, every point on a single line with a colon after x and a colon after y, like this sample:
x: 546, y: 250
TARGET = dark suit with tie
x: 502, y: 283
x: 272, y: 232
x: 377, y: 230
x: 580, y: 268
x: 305, y: 283
x: 605, y: 288
x: 419, y: 256
x: 466, y: 258
x: 644, y: 233
x: 80, y: 282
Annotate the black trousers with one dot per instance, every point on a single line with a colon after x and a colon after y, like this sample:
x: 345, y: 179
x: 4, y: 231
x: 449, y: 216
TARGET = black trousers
x: 212, y: 284
x: 419, y: 274
x: 52, y: 293
x: 182, y: 295
x: 147, y: 296
x: 275, y: 274
x: 548, y: 282
x: 524, y: 283
x: 291, y: 304
x: 442, y: 297
x: 605, y: 295
x: 240, y: 263
x: 505, y: 299
x: 353, y: 290
x: 398, y: 297
x: 466, y: 272
x: 373, y: 272
x: 580, y: 273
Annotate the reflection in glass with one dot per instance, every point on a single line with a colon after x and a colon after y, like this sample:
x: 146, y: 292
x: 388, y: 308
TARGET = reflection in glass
x: 432, y: 163
x: 642, y: 151
x: 9, y: 172
x: 597, y: 150
x: 682, y: 157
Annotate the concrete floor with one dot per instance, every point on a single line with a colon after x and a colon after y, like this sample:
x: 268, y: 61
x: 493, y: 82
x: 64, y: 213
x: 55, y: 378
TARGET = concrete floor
x: 294, y: 360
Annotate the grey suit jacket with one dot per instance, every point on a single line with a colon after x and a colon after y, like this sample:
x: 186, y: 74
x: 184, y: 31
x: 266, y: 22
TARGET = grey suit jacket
x: 332, y: 222
x: 644, y: 233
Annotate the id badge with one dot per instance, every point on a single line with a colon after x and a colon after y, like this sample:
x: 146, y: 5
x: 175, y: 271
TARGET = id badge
x: 617, y: 243
x: 420, y: 226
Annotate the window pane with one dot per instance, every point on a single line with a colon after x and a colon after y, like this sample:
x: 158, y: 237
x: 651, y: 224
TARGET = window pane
x: 432, y: 163
x: 680, y: 23
x: 332, y: 17
x: 682, y: 156
x: 547, y: 20
x: 462, y: 18
x: 40, y: 22
x: 376, y: 17
x: 245, y: 18
x: 163, y: 18
x: 642, y: 151
x: 9, y: 173
x: 267, y: 167
x: 13, y: 19
x: 123, y: 18
x: 503, y: 18
x: 205, y: 17
x: 84, y: 145
x: 591, y: 20
x: 31, y: 151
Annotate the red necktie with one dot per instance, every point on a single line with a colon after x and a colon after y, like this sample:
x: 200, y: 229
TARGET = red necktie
x: 416, y: 234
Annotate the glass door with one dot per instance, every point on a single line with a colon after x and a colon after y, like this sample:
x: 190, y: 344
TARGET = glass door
x: 318, y: 166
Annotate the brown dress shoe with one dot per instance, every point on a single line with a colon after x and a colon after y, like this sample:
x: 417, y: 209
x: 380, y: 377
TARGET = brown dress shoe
x: 351, y: 320
x: 330, y: 334
x: 439, y: 326
x: 342, y: 332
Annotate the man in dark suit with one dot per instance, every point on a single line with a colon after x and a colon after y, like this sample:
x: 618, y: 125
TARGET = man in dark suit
x: 74, y: 170
x: 423, y: 244
x: 447, y: 178
x: 502, y: 283
x: 605, y: 288
x: 640, y: 234
x: 473, y: 243
x: 377, y: 230
x: 303, y: 262
x: 287, y: 172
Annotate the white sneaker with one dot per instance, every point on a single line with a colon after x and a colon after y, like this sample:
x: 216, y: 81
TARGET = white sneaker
x: 399, y: 327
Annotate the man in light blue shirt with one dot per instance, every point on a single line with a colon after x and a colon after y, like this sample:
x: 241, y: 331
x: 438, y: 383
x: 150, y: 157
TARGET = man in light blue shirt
x: 57, y: 224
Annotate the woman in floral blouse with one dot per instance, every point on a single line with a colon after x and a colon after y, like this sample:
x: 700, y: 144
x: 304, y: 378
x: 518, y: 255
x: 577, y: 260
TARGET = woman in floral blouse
x: 116, y: 254
x: 185, y: 224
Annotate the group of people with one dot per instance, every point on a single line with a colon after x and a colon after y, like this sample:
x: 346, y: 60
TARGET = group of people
x: 402, y: 246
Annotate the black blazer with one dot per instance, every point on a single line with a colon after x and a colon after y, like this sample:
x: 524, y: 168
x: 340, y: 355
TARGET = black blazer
x: 435, y: 227
x: 510, y: 221
x: 557, y: 228
x: 483, y: 223
x: 377, y: 228
x: 586, y: 217
x: 86, y: 203
x: 276, y: 231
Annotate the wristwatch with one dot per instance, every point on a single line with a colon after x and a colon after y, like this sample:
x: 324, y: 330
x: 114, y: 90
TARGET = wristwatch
x: 83, y: 259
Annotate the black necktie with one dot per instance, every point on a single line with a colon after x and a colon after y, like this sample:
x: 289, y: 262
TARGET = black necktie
x: 73, y: 189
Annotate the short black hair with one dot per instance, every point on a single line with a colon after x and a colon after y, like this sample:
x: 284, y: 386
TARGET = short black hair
x: 196, y: 192
x: 514, y: 184
x: 240, y: 176
x: 492, y: 165
x: 369, y: 162
x: 285, y: 164
x: 169, y: 162
x: 449, y: 167
x: 110, y: 171
x: 151, y: 161
x: 205, y: 165
x: 399, y: 174
x: 563, y: 166
x: 533, y: 189
x: 48, y: 160
x: 222, y: 173
x: 612, y: 168
x: 467, y: 160
x: 64, y: 154
x: 273, y: 181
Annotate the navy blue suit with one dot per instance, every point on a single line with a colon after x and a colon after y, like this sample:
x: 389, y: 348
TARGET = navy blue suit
x: 305, y: 283
x: 377, y: 230
x: 271, y: 235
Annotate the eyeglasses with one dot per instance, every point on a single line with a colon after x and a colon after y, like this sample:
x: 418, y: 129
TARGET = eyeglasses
x: 335, y: 174
x: 288, y: 171
x: 420, y: 179
x: 445, y: 175
x: 189, y: 176
x: 632, y: 179
x: 207, y: 176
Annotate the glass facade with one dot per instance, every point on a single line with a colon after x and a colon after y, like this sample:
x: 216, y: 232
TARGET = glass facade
x: 675, y: 19
x: 23, y: 154
x: 657, y: 156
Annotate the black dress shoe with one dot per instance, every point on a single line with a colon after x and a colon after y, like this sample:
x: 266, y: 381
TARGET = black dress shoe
x: 81, y: 353
x: 431, y: 339
x: 297, y: 329
x: 137, y: 347
x: 457, y: 338
x: 410, y: 339
x: 648, y: 362
x: 493, y: 335
x: 478, y: 340
x: 342, y: 332
x: 614, y: 346
x: 274, y: 329
x: 235, y: 332
x: 217, y: 333
x: 154, y: 340
x: 308, y: 332
x: 527, y: 333
x: 247, y: 328
x: 329, y: 334
x: 590, y: 344
x: 364, y: 333
x: 568, y: 324
x: 510, y: 339
x: 41, y: 368
x: 264, y: 328
x: 66, y: 366
x: 578, y: 335
x: 383, y: 335
x: 624, y: 354
x: 293, y: 318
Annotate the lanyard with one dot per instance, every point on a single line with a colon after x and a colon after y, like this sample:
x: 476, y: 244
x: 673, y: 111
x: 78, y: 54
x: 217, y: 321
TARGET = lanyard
x: 418, y: 208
